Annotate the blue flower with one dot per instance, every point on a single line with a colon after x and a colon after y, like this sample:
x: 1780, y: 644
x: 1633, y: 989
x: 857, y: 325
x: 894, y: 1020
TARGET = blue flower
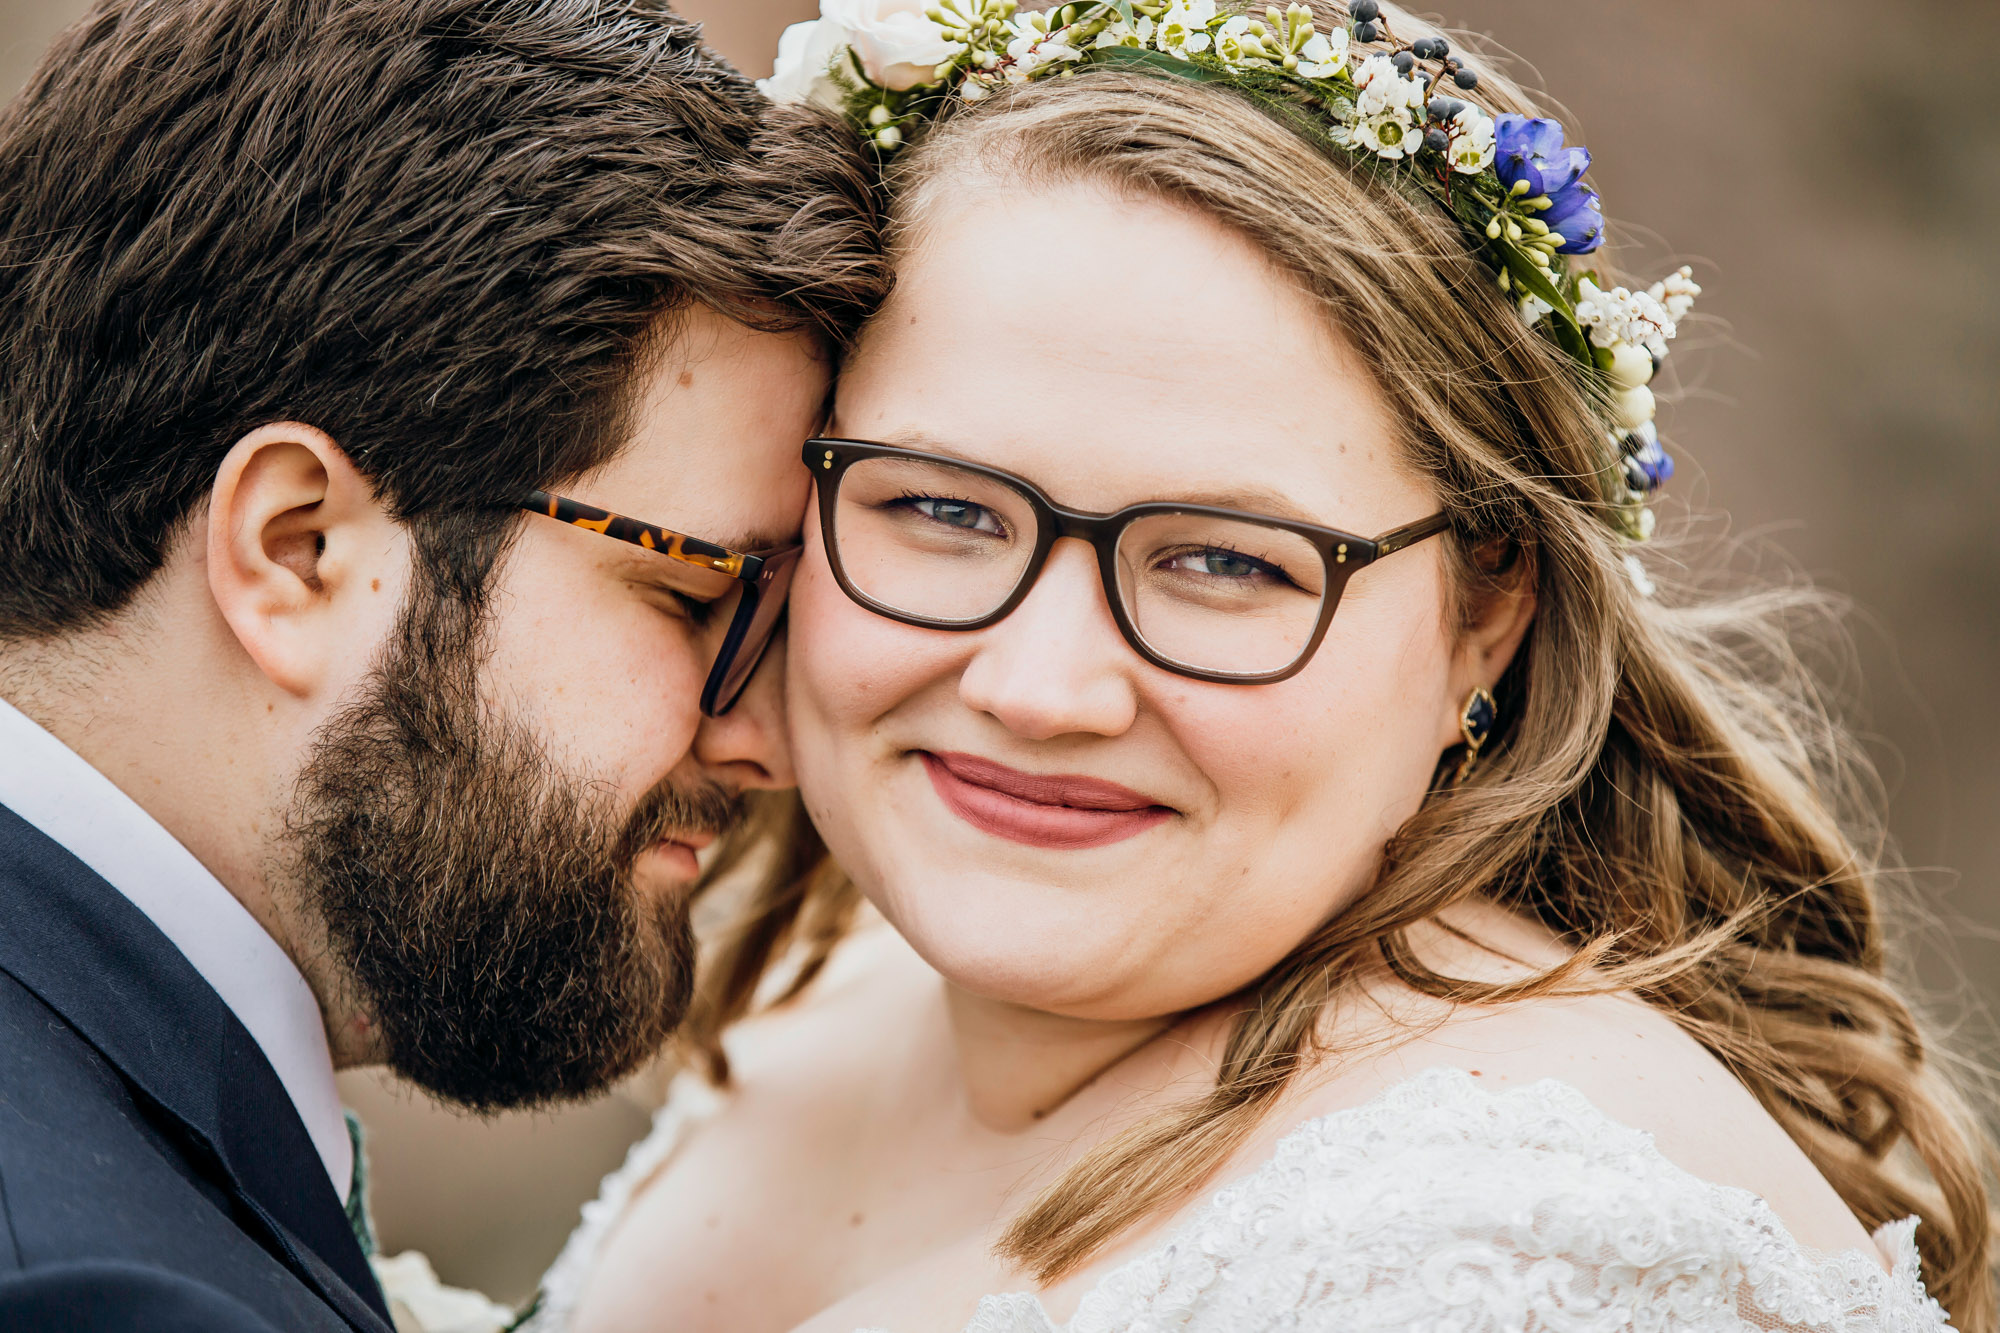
x: 1531, y: 151
x: 1576, y: 213
x: 1649, y: 466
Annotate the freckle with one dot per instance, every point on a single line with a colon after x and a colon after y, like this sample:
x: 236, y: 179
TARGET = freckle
x: 270, y: 708
x: 855, y: 1220
x: 374, y: 585
x: 1475, y: 1073
x: 687, y: 379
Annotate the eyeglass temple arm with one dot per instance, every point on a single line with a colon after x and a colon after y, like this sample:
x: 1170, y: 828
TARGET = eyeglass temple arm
x: 1410, y: 534
x: 674, y: 545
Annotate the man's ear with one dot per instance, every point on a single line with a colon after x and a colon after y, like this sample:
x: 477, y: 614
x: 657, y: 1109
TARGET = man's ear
x: 1498, y: 609
x: 303, y: 562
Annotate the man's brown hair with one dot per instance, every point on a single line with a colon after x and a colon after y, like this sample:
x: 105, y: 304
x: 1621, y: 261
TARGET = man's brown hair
x: 443, y: 231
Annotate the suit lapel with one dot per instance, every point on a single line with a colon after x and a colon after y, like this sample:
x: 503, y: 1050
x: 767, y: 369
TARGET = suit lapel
x: 98, y: 961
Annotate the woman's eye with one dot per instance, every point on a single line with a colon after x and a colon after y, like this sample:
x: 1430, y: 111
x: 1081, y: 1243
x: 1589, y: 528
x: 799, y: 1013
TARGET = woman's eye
x: 962, y: 514
x: 1218, y: 564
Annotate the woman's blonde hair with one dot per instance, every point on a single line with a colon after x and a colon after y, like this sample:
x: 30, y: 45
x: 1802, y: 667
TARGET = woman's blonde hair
x: 1668, y: 793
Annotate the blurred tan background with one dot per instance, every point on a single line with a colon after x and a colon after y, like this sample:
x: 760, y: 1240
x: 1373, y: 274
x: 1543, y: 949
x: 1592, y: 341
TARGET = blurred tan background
x: 1832, y: 167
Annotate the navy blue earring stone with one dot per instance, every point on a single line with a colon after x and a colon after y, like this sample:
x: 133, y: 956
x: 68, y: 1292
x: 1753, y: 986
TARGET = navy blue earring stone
x: 1475, y: 723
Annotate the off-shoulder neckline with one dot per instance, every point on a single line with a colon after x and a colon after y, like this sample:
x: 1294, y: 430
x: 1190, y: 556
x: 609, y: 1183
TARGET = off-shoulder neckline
x: 1434, y: 1091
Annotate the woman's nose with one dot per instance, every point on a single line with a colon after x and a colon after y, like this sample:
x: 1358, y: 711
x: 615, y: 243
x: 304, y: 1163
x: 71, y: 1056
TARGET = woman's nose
x: 1058, y: 664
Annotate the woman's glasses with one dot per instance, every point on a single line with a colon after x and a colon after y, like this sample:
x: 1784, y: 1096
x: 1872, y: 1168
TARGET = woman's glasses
x: 1216, y: 594
x: 756, y: 581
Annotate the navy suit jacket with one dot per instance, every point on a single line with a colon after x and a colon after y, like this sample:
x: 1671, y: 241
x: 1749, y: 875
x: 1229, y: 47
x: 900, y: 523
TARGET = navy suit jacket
x: 154, y: 1174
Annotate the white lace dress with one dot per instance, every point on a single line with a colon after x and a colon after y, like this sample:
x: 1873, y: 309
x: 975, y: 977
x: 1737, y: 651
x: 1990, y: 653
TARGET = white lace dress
x: 1439, y: 1205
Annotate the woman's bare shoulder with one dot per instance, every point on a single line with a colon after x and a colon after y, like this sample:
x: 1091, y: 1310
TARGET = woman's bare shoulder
x: 852, y: 1026
x: 1629, y: 1059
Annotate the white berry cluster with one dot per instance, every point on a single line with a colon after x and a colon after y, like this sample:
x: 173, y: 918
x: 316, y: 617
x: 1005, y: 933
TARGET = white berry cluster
x: 1645, y: 319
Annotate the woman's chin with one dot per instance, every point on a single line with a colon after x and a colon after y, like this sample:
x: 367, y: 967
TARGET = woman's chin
x: 1091, y: 972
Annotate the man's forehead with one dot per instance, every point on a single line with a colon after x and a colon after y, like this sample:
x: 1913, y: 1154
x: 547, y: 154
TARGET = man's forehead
x: 713, y: 438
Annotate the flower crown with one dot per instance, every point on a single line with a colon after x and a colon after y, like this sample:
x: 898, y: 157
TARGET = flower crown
x: 1516, y: 188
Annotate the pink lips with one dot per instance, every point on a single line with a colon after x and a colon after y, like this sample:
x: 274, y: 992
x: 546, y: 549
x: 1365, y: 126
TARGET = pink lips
x: 1058, y: 811
x: 682, y: 856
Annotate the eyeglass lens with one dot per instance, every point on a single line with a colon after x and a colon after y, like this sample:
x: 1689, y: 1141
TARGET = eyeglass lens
x: 936, y: 542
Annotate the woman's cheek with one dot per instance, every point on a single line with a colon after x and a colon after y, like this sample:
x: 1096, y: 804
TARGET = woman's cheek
x: 844, y: 663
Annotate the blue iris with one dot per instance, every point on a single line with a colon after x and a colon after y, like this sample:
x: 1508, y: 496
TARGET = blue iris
x: 1532, y: 150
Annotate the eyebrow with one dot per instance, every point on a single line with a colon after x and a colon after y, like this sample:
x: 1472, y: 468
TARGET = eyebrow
x: 1249, y: 499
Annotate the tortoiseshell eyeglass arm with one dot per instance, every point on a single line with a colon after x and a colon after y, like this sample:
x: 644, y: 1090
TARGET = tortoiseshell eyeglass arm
x: 673, y: 545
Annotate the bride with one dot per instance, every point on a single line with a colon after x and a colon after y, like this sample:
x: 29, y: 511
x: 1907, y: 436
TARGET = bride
x: 1333, y: 891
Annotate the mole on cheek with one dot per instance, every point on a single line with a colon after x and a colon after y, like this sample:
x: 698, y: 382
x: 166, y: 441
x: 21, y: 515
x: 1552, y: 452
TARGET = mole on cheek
x: 687, y: 379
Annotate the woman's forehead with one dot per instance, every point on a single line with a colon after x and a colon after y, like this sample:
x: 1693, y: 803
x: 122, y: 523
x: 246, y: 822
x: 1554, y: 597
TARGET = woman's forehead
x: 1111, y: 346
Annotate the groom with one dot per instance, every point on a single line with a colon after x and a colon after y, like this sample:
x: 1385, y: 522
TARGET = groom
x: 316, y: 750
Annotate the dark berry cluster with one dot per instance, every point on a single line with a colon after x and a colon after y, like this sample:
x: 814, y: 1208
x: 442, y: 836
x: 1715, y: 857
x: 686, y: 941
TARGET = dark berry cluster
x: 1370, y: 26
x: 1367, y: 20
x: 1439, y: 112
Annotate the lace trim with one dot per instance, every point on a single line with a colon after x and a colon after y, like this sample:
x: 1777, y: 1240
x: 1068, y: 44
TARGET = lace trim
x: 1442, y: 1205
x: 1436, y: 1205
x: 690, y: 1101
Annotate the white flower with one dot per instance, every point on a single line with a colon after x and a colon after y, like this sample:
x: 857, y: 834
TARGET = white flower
x: 1533, y: 309
x: 1391, y: 133
x: 898, y: 46
x: 1389, y: 109
x: 1642, y: 582
x: 1183, y: 29
x: 1238, y: 47
x: 1471, y: 142
x: 1139, y: 35
x: 1324, y: 54
x: 1377, y: 82
x: 412, y: 1286
x: 1032, y: 53
x: 806, y: 56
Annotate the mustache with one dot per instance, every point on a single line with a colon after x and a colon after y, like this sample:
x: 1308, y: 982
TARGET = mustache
x: 673, y: 810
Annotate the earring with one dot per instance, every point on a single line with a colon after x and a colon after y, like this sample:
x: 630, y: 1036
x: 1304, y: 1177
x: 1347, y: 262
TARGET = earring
x: 1475, y: 723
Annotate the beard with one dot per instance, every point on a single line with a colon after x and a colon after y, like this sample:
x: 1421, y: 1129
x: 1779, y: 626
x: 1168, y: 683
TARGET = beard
x: 476, y: 898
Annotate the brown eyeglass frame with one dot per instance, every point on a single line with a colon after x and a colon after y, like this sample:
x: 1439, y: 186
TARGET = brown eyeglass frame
x: 764, y: 574
x: 1342, y: 553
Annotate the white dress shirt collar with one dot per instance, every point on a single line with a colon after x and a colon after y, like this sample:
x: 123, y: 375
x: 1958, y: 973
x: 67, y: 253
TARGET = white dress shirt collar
x: 55, y: 789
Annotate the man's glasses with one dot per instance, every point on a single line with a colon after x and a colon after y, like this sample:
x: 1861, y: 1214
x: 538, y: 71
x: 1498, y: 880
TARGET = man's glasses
x: 756, y: 580
x: 1215, y: 594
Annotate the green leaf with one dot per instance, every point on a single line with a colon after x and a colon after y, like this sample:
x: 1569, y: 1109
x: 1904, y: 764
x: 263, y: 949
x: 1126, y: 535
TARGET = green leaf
x: 1531, y: 278
x: 1157, y: 61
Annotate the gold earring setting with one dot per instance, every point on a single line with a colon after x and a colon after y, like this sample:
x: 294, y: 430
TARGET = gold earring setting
x: 1475, y: 723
